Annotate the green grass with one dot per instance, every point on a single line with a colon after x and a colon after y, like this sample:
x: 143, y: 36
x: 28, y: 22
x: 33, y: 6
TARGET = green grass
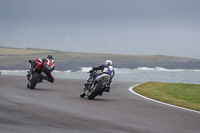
x: 179, y: 94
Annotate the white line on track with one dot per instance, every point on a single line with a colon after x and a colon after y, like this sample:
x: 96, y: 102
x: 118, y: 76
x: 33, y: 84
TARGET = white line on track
x: 131, y: 90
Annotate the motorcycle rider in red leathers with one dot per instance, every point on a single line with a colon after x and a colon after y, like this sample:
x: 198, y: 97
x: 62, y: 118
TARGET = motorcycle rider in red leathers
x: 40, y: 63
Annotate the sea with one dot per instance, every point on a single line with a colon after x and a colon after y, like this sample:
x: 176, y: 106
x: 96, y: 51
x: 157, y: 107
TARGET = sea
x: 171, y: 46
x: 141, y: 74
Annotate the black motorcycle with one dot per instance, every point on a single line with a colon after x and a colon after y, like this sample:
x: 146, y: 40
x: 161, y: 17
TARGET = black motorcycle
x: 95, y: 85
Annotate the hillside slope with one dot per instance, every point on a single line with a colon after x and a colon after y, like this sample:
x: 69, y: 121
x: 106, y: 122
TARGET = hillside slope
x: 13, y: 58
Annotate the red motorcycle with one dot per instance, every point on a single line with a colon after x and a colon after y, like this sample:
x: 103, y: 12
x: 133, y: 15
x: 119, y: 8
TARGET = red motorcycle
x: 38, y: 73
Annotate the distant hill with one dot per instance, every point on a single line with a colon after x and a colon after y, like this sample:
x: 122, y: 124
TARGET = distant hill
x: 14, y: 58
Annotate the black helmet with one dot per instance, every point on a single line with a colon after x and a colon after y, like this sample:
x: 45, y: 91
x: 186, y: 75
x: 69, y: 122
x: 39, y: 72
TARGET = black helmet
x: 49, y: 57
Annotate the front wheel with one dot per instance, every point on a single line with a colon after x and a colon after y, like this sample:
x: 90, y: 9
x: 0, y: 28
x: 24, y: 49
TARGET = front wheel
x: 95, y: 91
x: 34, y: 81
x: 82, y: 95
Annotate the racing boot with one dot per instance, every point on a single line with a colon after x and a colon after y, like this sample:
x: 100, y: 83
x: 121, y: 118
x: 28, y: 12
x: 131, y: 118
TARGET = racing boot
x: 107, y: 88
x: 45, y: 78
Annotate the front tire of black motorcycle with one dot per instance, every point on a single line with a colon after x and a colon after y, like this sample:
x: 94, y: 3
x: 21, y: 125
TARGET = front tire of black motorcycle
x: 82, y: 95
x: 34, y: 80
x: 95, y: 92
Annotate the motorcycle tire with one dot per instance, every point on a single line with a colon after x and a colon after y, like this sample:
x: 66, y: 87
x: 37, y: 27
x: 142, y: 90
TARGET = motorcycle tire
x: 95, y: 91
x: 28, y: 85
x: 82, y: 95
x: 34, y: 80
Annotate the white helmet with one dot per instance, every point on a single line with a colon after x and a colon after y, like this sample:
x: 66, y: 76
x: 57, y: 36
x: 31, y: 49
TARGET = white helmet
x: 108, y: 63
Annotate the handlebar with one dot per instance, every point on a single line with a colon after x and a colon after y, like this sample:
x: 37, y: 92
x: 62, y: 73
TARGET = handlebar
x: 92, y: 71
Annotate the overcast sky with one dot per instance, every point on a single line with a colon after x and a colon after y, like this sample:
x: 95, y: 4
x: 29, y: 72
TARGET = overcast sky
x: 180, y: 16
x: 142, y: 22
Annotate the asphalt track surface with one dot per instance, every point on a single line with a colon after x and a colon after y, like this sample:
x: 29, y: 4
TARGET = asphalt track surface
x: 57, y: 108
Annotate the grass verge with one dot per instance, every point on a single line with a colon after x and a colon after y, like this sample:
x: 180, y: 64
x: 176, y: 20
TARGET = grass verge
x: 179, y: 94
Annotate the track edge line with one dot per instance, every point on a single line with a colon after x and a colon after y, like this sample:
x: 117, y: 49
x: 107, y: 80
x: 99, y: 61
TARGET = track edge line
x: 131, y: 90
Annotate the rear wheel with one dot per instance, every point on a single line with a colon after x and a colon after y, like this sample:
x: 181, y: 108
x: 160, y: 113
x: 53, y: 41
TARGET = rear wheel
x: 95, y: 91
x: 35, y: 78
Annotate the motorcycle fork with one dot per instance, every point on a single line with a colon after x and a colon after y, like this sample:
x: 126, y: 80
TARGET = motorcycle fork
x: 29, y: 76
x: 89, y: 88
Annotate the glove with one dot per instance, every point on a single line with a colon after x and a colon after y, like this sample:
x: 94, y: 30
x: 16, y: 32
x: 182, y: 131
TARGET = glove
x: 91, y: 71
x: 30, y: 61
x: 43, y: 60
